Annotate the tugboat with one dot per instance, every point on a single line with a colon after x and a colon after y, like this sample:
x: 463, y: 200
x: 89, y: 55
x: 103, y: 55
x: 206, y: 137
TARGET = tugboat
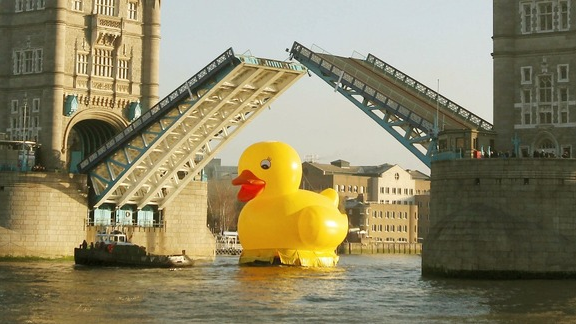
x: 114, y: 249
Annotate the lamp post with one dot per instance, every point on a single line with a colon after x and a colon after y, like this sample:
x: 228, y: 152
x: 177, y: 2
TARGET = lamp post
x: 24, y: 152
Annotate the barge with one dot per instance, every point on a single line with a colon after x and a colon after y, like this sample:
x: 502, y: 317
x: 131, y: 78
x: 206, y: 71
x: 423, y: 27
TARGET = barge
x: 114, y: 249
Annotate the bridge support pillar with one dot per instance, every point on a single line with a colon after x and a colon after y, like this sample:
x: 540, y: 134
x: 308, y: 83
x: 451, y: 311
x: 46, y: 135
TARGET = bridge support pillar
x: 502, y: 218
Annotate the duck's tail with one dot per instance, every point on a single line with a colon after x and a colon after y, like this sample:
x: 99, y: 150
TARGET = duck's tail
x: 332, y: 195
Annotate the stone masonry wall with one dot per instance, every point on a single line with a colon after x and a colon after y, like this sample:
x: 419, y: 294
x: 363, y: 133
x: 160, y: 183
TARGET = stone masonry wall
x: 185, y: 226
x: 502, y: 218
x: 44, y: 215
x: 41, y: 214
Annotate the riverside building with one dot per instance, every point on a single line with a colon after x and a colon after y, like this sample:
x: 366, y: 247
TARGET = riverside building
x: 384, y: 203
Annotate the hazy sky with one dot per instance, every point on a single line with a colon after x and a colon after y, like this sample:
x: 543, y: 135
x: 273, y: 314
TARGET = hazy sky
x: 439, y: 41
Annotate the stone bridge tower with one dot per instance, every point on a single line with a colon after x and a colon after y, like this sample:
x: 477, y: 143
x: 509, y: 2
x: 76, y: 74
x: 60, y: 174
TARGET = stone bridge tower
x: 534, y: 77
x: 75, y: 72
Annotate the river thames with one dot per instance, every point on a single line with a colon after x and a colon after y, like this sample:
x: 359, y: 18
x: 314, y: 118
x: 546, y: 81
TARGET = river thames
x: 363, y: 288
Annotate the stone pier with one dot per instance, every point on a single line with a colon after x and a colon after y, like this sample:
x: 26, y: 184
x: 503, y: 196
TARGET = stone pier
x: 44, y: 215
x: 502, y: 218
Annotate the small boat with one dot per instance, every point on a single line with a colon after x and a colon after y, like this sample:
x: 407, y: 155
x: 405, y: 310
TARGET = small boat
x: 114, y: 249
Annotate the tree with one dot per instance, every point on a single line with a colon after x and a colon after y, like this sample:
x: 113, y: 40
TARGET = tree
x: 223, y: 206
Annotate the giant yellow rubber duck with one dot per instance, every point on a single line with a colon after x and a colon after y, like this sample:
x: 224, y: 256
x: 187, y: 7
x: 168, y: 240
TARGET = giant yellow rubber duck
x: 281, y: 223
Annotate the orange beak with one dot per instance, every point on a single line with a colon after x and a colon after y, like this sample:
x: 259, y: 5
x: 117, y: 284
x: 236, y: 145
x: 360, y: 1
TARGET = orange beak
x: 250, y: 184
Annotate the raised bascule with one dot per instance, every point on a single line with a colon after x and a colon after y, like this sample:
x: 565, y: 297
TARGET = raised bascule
x: 410, y: 111
x: 168, y: 146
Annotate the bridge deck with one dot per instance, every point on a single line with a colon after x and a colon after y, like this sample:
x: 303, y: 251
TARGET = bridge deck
x: 405, y: 108
x: 166, y: 148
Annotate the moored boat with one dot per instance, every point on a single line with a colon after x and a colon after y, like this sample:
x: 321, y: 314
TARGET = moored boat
x: 114, y: 249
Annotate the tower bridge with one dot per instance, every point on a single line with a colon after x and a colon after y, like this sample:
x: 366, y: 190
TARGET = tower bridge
x: 152, y: 159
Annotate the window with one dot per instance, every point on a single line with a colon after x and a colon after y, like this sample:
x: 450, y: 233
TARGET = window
x: 14, y: 106
x: 36, y: 105
x: 132, y: 10
x: 545, y: 88
x: 545, y: 114
x: 103, y: 63
x: 105, y: 7
x: 564, y: 116
x: 563, y: 95
x: 526, y: 96
x: 563, y: 15
x: 35, y: 122
x: 526, y: 75
x: 545, y: 16
x: 77, y: 5
x: 563, y: 73
x: 527, y: 117
x: 38, y: 56
x: 40, y: 4
x: 82, y: 63
x: 526, y: 18
x: 19, y: 6
x: 27, y: 61
x: 29, y: 5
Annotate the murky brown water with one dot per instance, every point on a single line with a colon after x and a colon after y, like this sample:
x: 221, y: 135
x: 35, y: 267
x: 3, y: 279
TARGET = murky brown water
x: 367, y: 289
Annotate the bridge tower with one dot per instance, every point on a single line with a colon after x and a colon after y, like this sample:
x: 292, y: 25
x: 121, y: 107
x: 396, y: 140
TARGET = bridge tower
x: 74, y: 73
x: 534, y: 77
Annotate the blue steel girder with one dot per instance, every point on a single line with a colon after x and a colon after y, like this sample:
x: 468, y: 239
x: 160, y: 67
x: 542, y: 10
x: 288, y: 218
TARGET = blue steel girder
x: 405, y: 108
x: 162, y: 158
x: 409, y: 129
x: 401, y: 129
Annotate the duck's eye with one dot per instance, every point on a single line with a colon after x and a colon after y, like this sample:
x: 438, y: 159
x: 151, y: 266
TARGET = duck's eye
x: 265, y: 164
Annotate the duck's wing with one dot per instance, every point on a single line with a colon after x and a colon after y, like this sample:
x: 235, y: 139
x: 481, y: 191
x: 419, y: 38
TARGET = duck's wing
x: 332, y: 195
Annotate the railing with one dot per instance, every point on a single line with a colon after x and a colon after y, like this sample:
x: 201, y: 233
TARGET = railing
x: 228, y: 245
x: 377, y: 93
x: 429, y: 93
x: 354, y: 81
x: 147, y: 224
x: 270, y: 63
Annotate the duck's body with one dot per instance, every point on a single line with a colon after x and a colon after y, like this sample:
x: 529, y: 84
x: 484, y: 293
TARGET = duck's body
x: 280, y: 221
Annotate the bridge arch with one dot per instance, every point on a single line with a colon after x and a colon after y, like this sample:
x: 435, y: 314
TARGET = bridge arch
x: 546, y: 143
x: 87, y: 131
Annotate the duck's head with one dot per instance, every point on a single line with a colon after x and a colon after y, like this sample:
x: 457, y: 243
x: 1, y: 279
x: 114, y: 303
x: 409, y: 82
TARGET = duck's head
x: 268, y: 169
